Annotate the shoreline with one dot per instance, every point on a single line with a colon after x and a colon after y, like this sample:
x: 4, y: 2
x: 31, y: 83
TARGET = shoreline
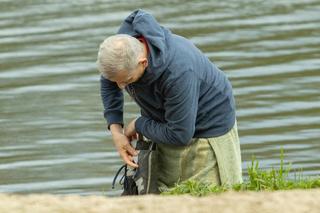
x: 288, y: 201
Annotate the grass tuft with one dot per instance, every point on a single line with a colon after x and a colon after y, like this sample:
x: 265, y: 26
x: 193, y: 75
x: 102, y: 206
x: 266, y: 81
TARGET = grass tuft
x: 273, y: 179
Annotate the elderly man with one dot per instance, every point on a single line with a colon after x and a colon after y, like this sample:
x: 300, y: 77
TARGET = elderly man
x: 187, y: 105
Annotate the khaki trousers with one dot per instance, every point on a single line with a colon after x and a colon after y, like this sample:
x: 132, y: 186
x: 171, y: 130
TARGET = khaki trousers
x: 214, y: 160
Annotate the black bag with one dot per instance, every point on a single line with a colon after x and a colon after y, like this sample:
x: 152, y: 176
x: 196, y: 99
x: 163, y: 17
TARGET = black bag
x: 141, y: 180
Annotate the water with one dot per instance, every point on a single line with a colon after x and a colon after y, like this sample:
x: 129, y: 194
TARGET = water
x: 52, y: 135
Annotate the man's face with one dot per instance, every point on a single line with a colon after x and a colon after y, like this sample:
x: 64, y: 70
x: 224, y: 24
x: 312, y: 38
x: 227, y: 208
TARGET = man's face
x: 123, y: 77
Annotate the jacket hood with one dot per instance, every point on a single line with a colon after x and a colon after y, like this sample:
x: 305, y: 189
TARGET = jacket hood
x: 141, y: 23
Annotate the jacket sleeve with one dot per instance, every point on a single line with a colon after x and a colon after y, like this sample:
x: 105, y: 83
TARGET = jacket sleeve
x: 181, y: 106
x: 112, y: 99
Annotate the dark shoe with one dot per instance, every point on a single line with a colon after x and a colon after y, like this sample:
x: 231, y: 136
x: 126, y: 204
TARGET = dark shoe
x: 128, y: 182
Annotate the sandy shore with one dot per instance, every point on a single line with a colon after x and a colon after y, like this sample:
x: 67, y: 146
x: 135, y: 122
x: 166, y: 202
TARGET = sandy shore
x: 244, y: 202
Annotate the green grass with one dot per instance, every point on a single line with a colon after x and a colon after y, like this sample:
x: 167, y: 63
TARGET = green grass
x: 272, y: 179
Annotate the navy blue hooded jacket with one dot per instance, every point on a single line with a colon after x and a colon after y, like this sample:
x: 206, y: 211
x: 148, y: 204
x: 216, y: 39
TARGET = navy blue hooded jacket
x: 182, y: 94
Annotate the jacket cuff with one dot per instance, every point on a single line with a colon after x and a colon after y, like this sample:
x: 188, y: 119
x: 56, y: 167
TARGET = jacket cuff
x: 114, y: 118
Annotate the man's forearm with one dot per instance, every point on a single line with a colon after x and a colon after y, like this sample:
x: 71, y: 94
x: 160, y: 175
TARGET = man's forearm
x: 165, y: 133
x: 112, y: 99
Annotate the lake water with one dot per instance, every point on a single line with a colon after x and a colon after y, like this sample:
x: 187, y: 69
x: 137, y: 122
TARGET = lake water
x: 53, y: 136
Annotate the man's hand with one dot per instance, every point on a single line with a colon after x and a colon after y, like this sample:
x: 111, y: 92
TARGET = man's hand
x: 126, y: 151
x: 130, y: 130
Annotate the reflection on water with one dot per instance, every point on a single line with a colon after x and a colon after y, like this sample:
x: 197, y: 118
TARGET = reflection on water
x: 53, y: 136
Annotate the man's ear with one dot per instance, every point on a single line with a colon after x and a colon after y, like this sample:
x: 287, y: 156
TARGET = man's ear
x: 144, y: 62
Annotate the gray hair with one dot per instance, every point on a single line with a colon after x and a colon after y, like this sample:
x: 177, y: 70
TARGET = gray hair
x: 118, y: 53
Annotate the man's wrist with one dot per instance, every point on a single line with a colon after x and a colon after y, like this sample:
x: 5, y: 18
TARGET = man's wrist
x: 116, y: 128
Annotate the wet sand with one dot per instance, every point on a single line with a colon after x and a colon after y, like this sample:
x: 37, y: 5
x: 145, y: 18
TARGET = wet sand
x: 293, y: 201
